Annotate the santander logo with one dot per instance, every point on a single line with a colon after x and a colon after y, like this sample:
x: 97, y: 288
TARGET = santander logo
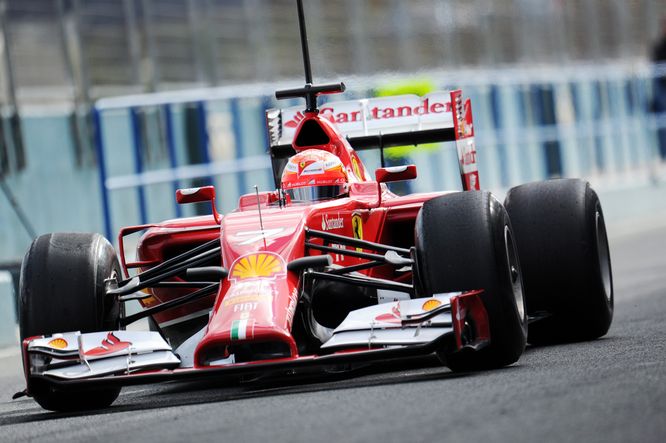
x: 426, y: 107
x: 332, y: 223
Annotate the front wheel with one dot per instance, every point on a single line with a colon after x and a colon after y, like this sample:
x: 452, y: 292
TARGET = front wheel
x: 62, y: 289
x: 464, y: 241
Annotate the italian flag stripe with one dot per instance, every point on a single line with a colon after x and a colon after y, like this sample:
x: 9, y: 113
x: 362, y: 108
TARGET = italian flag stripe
x: 239, y: 329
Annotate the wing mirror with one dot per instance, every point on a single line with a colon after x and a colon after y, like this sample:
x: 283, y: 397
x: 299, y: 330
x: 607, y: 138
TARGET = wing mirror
x: 198, y: 195
x: 395, y: 173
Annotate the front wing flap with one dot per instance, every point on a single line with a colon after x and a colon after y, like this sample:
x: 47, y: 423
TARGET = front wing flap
x: 404, y: 322
x: 74, y: 355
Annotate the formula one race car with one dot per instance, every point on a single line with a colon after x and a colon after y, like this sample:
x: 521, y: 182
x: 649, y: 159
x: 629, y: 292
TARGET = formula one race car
x: 331, y: 270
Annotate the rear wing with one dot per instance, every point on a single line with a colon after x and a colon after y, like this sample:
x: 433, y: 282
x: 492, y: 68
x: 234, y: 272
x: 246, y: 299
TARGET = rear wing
x: 383, y: 122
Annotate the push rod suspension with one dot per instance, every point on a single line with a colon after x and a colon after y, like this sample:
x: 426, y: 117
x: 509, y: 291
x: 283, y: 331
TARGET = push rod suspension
x: 356, y: 268
x: 341, y: 239
x: 365, y: 281
x: 351, y: 253
x: 173, y: 261
x: 170, y: 304
x: 137, y: 284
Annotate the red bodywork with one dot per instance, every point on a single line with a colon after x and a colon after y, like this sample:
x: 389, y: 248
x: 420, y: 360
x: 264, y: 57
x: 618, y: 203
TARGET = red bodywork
x: 257, y: 302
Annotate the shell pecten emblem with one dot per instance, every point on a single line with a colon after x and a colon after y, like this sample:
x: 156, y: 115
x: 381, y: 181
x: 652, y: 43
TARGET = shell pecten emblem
x: 58, y: 343
x: 431, y: 304
x: 257, y: 265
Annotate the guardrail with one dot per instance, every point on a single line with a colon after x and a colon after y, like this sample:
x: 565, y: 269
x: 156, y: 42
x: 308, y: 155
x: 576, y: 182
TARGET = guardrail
x: 589, y: 121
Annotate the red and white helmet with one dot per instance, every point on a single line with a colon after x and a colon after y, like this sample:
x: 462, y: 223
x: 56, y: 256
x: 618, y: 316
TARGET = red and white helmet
x: 314, y: 175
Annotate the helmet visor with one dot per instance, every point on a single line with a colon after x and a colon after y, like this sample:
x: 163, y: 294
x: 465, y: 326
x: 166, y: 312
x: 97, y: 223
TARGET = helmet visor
x: 315, y: 193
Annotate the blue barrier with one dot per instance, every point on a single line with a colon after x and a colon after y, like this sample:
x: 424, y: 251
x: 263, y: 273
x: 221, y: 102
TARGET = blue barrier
x: 171, y: 149
x: 139, y: 148
x: 101, y: 165
x: 238, y: 138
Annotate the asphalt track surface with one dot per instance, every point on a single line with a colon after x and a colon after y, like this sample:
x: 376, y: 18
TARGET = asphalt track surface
x: 608, y: 390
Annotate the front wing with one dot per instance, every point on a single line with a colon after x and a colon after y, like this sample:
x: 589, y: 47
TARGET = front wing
x: 75, y: 361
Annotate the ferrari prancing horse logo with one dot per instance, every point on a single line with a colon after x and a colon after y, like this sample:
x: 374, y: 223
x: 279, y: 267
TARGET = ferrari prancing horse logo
x: 357, y: 228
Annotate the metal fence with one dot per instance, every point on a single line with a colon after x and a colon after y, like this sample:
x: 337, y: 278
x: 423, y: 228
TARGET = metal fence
x: 76, y: 50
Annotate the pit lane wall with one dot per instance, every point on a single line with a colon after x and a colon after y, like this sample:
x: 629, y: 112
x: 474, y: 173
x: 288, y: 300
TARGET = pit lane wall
x: 588, y: 121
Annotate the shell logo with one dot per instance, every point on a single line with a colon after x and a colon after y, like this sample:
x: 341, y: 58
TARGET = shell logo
x: 431, y: 304
x: 257, y: 265
x: 58, y: 343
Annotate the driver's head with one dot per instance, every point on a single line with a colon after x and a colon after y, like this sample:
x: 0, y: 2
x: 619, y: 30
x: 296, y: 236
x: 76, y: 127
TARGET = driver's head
x: 314, y: 175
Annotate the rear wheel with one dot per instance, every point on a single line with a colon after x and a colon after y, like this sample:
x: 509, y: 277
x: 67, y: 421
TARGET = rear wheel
x: 464, y: 241
x: 62, y: 289
x: 561, y: 237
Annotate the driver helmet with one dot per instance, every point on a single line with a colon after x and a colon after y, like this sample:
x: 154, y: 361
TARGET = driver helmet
x: 314, y: 175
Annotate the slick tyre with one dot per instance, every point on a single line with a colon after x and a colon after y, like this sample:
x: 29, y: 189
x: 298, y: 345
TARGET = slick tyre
x: 62, y: 289
x: 464, y: 241
x: 561, y: 237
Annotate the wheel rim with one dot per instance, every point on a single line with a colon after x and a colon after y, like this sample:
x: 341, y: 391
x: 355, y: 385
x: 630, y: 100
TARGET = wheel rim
x: 515, y: 276
x: 603, y: 255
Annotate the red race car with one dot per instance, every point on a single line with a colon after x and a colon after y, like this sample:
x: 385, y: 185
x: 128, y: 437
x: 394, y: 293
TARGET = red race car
x: 330, y: 270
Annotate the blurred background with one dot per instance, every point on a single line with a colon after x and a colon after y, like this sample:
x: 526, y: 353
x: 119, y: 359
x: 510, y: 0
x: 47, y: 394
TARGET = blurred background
x: 108, y: 106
